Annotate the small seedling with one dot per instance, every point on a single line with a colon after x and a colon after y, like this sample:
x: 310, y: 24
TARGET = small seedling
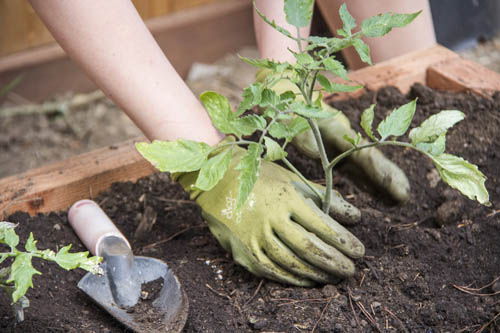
x: 16, y: 279
x: 287, y: 114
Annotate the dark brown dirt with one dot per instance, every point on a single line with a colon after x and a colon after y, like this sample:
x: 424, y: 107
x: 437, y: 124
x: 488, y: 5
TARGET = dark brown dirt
x: 416, y: 254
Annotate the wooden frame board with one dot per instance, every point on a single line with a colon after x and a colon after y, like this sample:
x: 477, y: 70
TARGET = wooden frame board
x: 57, y: 186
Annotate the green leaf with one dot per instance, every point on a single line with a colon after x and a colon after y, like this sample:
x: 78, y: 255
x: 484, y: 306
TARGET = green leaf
x: 69, y: 261
x: 335, y: 87
x: 21, y: 274
x: 273, y: 150
x: 252, y: 96
x: 213, y: 171
x: 282, y: 130
x: 367, y: 122
x: 347, y: 20
x: 310, y: 111
x: 304, y: 59
x: 377, y: 26
x: 353, y: 141
x: 175, y: 156
x: 299, y: 12
x: 435, y: 148
x: 398, y: 121
x: 248, y: 125
x: 219, y: 110
x: 272, y: 23
x: 435, y: 126
x: 249, y: 170
x: 261, y: 63
x: 336, y: 67
x: 8, y: 235
x: 269, y: 98
x: 463, y: 176
x: 31, y: 244
x: 363, y: 50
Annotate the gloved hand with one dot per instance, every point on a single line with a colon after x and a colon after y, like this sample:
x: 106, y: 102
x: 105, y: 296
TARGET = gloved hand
x: 382, y: 172
x: 279, y: 233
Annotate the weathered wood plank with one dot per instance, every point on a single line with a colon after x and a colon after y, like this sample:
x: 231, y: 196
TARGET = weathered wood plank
x: 463, y: 75
x: 57, y: 186
x: 401, y: 72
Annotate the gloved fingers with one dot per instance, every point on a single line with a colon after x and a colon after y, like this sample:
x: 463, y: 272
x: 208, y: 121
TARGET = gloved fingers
x: 383, y: 173
x: 284, y: 257
x: 341, y: 210
x: 308, y: 215
x: 252, y: 258
x: 312, y: 249
x: 263, y: 266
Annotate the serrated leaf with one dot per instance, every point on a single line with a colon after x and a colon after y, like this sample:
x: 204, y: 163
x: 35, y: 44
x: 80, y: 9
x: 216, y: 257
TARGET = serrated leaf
x: 175, y: 156
x: 363, y: 50
x: 261, y: 63
x: 248, y: 125
x: 367, y: 122
x: 304, y: 59
x: 272, y: 23
x: 335, y: 67
x: 398, y: 121
x: 273, y: 150
x: 310, y: 111
x: 252, y: 96
x: 8, y: 236
x: 249, y: 172
x: 435, y: 148
x: 21, y: 274
x: 335, y: 87
x: 213, y: 171
x: 463, y: 176
x: 435, y: 126
x: 269, y: 98
x: 282, y: 130
x: 31, y: 244
x: 379, y: 25
x: 299, y: 12
x: 73, y: 260
x: 347, y: 20
x: 219, y: 110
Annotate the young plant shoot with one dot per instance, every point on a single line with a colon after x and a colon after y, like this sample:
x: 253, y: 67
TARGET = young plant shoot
x: 289, y: 97
x: 17, y: 278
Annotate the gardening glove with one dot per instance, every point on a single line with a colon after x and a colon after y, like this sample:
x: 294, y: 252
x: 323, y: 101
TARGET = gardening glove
x: 279, y: 233
x: 382, y: 172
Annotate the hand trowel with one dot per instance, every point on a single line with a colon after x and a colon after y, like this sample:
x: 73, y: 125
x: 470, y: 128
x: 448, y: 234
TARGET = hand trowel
x: 118, y: 290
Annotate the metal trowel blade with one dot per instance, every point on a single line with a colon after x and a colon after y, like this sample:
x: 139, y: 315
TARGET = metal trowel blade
x: 171, y: 305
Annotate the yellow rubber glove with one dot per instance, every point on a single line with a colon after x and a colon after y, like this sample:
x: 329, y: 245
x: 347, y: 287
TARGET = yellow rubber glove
x: 377, y: 168
x: 279, y: 233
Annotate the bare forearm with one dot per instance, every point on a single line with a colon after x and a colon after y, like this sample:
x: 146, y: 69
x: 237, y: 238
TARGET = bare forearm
x: 110, y: 42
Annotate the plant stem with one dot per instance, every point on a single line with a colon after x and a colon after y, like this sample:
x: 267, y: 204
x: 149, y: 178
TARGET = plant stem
x: 299, y: 40
x: 352, y: 150
x: 301, y: 176
x: 324, y: 163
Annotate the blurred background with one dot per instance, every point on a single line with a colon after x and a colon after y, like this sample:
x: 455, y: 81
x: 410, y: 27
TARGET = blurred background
x: 50, y: 111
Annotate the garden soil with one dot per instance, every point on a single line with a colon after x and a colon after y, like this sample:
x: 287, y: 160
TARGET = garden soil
x: 431, y: 265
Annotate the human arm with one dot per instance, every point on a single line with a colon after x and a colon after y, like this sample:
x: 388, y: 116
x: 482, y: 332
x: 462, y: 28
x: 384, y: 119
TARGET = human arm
x: 111, y: 43
x: 416, y: 36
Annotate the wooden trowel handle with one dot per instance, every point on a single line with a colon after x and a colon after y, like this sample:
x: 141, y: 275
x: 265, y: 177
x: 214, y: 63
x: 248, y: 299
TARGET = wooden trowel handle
x: 92, y: 225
